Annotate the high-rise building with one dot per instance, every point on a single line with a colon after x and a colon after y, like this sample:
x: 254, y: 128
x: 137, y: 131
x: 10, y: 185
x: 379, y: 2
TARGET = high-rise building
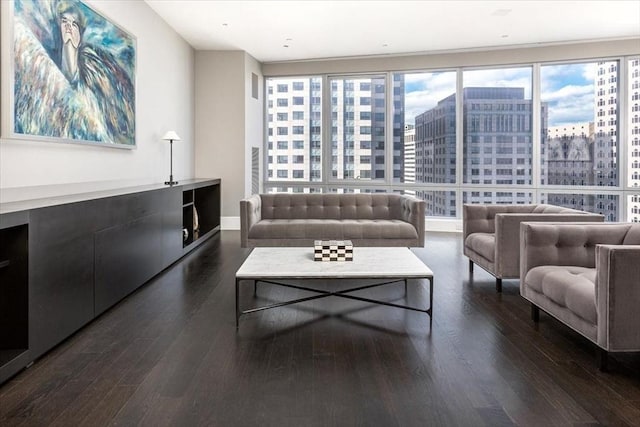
x: 578, y: 157
x: 295, y: 123
x: 409, y: 175
x: 357, y: 128
x: 605, y: 146
x: 497, y: 146
x: 569, y: 155
x: 633, y: 209
x: 357, y: 132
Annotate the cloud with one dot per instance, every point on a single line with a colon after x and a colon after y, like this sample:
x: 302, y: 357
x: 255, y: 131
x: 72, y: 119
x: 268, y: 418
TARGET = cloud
x: 568, y: 92
x: 424, y: 90
x: 570, y: 104
x: 576, y: 109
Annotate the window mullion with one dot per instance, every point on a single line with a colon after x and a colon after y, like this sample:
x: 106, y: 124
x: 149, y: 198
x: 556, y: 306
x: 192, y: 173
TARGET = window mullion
x: 536, y: 136
x: 459, y: 142
x: 388, y: 132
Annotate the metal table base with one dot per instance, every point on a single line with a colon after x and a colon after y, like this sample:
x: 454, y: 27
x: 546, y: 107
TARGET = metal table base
x: 324, y: 294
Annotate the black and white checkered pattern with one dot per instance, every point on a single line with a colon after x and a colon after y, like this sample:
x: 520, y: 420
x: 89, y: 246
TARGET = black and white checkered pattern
x: 333, y: 250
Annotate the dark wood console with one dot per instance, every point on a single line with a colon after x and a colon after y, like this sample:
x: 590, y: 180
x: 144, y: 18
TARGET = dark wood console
x: 65, y: 260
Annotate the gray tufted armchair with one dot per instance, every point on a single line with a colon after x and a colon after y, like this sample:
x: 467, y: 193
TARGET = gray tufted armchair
x: 491, y: 234
x: 586, y: 275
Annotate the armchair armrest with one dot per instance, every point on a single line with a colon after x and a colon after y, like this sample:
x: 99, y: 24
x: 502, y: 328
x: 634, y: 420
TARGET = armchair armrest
x: 507, y: 233
x: 413, y: 212
x: 250, y: 213
x: 618, y: 297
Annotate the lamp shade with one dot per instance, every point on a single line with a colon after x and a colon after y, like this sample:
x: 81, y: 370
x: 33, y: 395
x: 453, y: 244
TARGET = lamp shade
x: 171, y: 136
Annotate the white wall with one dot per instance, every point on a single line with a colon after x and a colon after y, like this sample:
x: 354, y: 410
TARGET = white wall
x: 254, y: 117
x: 219, y: 125
x: 228, y: 123
x: 164, y: 101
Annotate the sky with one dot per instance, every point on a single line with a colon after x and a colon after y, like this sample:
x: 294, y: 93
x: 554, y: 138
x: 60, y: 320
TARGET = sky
x: 568, y: 89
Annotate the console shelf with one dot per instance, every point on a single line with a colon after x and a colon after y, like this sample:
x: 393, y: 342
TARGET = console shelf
x: 200, y: 213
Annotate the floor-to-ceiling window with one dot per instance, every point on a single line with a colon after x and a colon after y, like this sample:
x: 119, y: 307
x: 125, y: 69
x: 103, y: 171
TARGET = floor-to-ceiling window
x: 542, y: 132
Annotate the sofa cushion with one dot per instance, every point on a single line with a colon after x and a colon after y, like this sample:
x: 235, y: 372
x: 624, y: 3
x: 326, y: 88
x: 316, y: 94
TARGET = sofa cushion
x: 568, y: 286
x: 332, y: 229
x: 483, y: 244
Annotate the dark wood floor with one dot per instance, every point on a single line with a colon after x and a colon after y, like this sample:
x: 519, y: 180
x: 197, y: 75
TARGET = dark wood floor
x: 170, y: 355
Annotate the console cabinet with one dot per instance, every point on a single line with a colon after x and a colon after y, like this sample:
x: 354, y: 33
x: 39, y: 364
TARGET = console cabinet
x: 64, y: 263
x: 14, y: 292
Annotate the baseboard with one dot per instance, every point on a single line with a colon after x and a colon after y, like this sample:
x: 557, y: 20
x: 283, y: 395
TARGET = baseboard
x: 230, y: 223
x: 431, y: 224
x: 443, y: 224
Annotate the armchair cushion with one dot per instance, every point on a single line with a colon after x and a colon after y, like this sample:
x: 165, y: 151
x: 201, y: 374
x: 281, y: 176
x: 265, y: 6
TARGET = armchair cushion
x: 569, y: 287
x: 483, y: 244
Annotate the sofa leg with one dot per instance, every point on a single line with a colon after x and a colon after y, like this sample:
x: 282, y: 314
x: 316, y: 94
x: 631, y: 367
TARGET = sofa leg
x: 498, y: 285
x: 470, y: 266
x: 535, y: 313
x: 602, y: 358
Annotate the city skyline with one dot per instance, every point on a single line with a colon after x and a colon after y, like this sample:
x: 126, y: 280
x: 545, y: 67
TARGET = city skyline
x: 582, y: 96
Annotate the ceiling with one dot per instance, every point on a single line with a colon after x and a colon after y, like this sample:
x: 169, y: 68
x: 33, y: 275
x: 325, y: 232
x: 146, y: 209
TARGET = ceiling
x: 272, y: 31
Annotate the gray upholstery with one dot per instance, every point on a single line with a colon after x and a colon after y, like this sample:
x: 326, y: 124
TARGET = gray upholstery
x: 491, y: 232
x: 299, y: 219
x: 587, y: 275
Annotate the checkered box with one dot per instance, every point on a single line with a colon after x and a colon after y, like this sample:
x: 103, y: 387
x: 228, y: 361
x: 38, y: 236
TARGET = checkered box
x: 333, y: 250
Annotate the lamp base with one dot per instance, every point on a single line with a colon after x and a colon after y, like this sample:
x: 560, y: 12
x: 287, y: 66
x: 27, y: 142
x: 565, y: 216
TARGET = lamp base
x: 170, y: 182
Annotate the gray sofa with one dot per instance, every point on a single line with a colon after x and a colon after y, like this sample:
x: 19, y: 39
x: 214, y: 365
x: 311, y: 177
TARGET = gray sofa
x: 491, y: 233
x: 382, y: 219
x: 587, y: 276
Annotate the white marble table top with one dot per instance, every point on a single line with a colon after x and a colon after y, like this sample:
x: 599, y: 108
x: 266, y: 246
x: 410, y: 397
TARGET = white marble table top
x: 298, y: 263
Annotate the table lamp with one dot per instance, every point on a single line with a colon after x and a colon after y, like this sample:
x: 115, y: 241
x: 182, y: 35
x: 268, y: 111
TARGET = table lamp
x: 171, y: 136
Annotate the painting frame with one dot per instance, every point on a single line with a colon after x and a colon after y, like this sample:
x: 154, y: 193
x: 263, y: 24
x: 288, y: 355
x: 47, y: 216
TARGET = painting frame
x: 89, y: 93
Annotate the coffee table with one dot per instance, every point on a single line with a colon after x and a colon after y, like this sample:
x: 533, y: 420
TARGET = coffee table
x: 388, y: 264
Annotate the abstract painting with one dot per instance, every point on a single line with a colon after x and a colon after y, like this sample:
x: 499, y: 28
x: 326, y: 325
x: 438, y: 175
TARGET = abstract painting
x: 74, y: 74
